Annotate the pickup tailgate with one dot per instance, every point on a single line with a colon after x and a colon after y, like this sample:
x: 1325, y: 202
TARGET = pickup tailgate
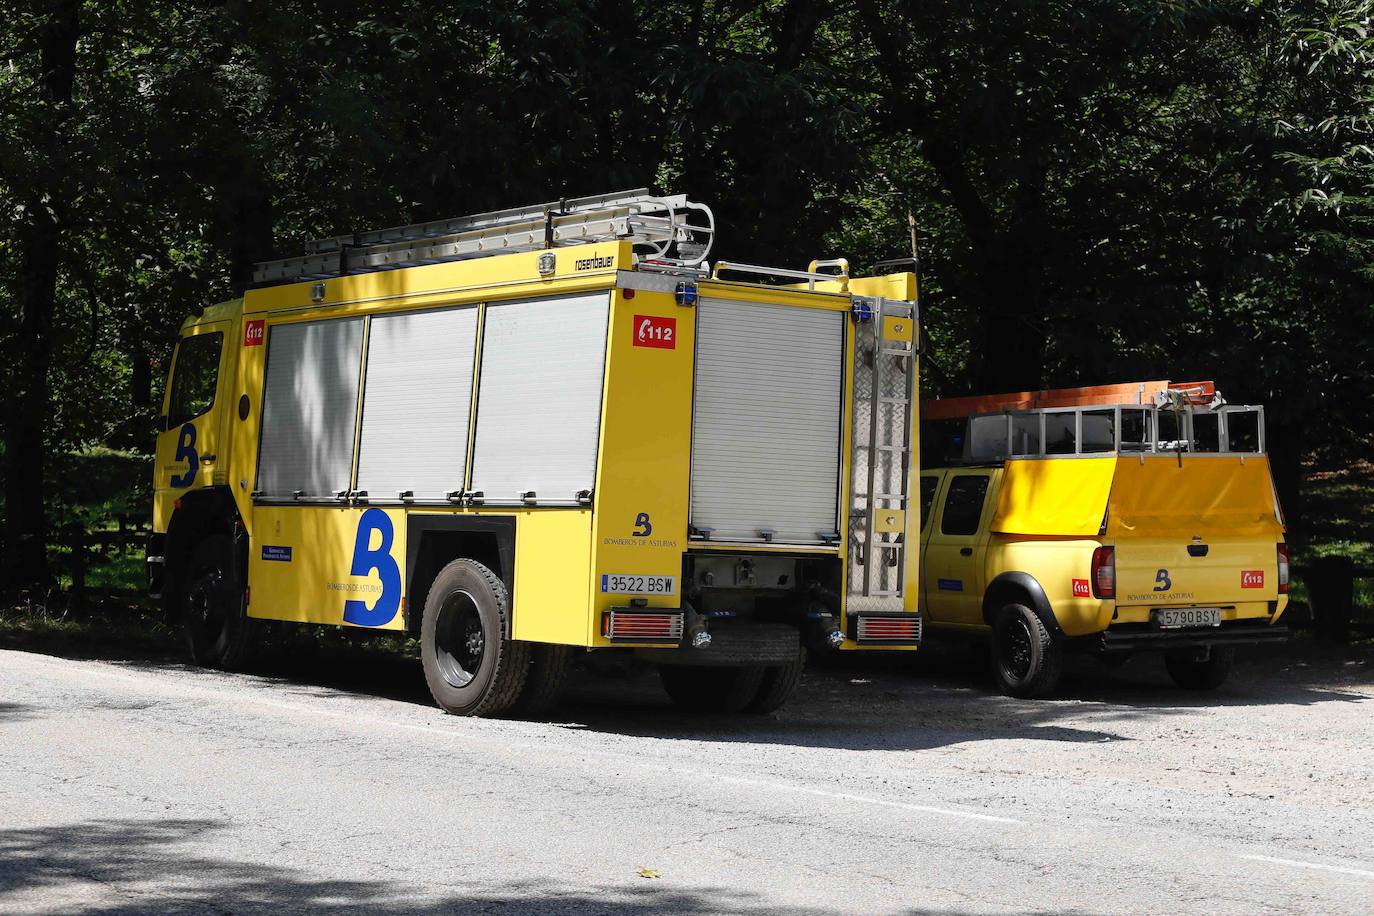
x: 1162, y: 572
x: 1195, y: 530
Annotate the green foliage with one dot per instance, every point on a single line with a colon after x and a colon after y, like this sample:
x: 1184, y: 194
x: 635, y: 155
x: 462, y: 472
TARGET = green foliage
x: 1101, y: 191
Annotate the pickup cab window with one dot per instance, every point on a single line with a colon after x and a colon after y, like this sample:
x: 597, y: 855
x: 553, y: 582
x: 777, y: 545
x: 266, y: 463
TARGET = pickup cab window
x: 964, y: 504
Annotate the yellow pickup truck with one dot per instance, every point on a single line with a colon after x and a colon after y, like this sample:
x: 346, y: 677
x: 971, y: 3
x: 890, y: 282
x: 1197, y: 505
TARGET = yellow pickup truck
x: 1109, y: 528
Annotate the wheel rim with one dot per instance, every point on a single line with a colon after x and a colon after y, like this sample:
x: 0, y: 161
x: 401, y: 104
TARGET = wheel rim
x: 1017, y: 653
x: 459, y: 640
x: 205, y: 614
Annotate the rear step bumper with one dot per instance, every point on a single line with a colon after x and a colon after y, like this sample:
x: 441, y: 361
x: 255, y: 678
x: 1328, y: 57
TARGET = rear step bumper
x: 1119, y: 639
x: 734, y: 644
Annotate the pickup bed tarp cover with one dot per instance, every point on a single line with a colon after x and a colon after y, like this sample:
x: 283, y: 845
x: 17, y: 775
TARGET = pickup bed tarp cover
x: 1054, y: 496
x: 1222, y: 495
x: 1067, y: 497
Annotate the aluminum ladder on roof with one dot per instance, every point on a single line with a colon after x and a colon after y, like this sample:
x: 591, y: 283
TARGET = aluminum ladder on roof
x: 885, y: 385
x: 656, y: 223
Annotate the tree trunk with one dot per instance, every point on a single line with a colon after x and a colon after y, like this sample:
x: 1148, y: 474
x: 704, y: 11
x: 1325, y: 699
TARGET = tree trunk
x: 39, y: 239
x: 1009, y: 345
x: 247, y: 207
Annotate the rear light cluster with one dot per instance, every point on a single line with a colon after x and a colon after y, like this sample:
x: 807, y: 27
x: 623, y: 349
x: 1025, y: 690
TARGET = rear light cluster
x: 906, y: 628
x: 1283, y: 569
x: 638, y: 625
x: 1104, y: 572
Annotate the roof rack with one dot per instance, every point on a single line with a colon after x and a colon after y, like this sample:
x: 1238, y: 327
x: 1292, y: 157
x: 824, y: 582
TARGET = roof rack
x: 1133, y: 418
x: 1158, y: 393
x: 654, y: 224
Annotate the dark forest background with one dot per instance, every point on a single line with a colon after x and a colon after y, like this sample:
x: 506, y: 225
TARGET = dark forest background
x: 1100, y: 191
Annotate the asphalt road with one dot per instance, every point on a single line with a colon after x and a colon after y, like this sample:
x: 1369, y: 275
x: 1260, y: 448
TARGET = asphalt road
x: 886, y: 787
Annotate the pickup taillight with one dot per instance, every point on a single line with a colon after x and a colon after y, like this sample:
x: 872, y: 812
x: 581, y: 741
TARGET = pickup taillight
x: 1283, y: 569
x: 1104, y: 572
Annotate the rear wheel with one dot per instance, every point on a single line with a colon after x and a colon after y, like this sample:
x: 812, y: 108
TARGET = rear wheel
x: 1192, y: 673
x: 472, y: 667
x: 712, y: 689
x: 215, y: 622
x: 777, y: 686
x: 549, y: 667
x: 1026, y: 658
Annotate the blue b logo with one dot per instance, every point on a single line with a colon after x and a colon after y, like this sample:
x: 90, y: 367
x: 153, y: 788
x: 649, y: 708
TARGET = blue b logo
x: 1162, y: 581
x: 642, y: 525
x: 365, y: 559
x: 186, y: 451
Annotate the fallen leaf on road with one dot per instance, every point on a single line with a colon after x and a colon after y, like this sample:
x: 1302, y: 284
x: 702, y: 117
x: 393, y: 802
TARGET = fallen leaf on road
x: 649, y: 873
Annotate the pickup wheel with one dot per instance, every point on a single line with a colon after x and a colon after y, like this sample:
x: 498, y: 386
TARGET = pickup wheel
x: 471, y: 666
x: 1026, y: 658
x: 1190, y: 673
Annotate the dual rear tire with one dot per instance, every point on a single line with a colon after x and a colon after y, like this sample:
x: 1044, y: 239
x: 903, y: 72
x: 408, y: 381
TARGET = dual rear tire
x: 472, y: 665
x: 751, y: 689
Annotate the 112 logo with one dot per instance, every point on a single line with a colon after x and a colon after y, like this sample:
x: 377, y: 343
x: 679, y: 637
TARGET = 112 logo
x: 652, y: 331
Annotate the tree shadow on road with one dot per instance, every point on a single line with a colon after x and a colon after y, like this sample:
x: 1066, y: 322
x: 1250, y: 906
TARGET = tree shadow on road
x: 121, y: 868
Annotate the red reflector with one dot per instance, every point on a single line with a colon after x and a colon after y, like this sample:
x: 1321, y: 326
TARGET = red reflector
x: 643, y: 626
x: 1283, y: 569
x: 1104, y: 572
x: 896, y: 629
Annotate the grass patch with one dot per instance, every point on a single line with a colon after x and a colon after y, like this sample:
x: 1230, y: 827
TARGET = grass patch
x: 1339, y: 513
x: 121, y: 628
x: 103, y: 629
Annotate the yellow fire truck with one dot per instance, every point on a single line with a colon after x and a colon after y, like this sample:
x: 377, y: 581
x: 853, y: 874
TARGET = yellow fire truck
x: 518, y: 434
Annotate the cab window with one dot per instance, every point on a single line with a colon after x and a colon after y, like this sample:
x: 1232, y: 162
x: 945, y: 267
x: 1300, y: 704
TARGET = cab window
x: 194, y: 377
x: 929, y: 484
x: 964, y: 504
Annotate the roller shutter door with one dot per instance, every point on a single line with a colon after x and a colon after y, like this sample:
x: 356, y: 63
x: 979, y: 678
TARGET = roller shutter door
x: 309, y: 409
x: 539, y: 398
x: 766, y: 421
x: 416, y: 402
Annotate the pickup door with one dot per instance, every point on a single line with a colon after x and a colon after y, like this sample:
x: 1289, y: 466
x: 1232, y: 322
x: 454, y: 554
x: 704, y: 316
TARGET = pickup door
x: 957, y: 545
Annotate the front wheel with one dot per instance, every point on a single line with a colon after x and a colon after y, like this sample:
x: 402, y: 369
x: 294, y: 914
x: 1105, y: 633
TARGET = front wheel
x: 1192, y: 673
x: 215, y: 622
x: 1026, y: 658
x: 472, y: 666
